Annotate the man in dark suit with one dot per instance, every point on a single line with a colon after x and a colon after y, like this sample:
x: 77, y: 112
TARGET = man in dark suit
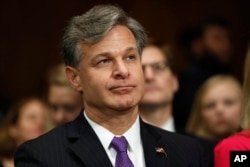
x: 101, y: 50
x: 161, y: 83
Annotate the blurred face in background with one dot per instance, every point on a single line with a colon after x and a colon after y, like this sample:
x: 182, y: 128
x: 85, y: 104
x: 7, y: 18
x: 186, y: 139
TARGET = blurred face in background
x: 66, y: 103
x: 31, y: 122
x: 160, y: 82
x: 217, y: 41
x: 221, y: 109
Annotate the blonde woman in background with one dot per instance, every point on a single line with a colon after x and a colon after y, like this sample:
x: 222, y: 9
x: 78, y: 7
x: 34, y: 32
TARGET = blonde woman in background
x: 241, y: 140
x: 217, y: 108
x: 216, y: 112
x: 65, y: 101
x: 26, y: 120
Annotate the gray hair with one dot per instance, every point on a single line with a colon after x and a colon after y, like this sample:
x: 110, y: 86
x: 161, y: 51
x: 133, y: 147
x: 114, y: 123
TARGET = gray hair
x: 92, y: 26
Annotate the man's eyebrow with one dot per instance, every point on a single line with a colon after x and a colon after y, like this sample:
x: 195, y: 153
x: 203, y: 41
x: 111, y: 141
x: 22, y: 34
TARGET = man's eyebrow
x: 129, y: 49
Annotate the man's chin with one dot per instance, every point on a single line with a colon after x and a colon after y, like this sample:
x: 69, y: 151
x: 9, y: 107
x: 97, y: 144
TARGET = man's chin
x: 123, y: 106
x: 150, y: 101
x: 152, y: 104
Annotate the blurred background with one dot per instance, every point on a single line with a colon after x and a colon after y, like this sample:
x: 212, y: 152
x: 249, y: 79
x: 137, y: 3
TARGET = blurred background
x: 31, y: 32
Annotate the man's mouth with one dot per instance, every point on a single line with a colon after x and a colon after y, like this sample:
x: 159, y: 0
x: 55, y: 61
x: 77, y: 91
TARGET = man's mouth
x: 122, y: 89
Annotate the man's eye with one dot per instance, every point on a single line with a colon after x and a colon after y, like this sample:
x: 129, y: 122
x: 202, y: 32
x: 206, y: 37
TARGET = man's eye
x: 54, y: 107
x: 158, y: 66
x: 131, y: 57
x: 104, y: 61
x: 69, y: 108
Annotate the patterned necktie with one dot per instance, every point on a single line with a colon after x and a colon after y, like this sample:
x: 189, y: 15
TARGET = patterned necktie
x: 120, y: 145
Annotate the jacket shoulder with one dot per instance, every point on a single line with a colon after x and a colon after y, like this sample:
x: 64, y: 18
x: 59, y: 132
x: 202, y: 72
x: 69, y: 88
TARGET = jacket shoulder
x: 172, y: 137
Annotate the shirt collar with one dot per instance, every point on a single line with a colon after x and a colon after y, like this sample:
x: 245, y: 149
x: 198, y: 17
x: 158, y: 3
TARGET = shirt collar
x: 132, y: 135
x: 169, y: 125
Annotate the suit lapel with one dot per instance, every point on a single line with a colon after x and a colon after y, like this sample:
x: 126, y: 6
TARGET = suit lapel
x: 86, y: 145
x: 155, y: 152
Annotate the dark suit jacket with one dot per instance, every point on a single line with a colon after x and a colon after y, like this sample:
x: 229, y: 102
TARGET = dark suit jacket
x: 76, y: 145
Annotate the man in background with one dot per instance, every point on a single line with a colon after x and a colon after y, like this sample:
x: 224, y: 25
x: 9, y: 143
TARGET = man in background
x: 160, y: 86
x: 66, y: 103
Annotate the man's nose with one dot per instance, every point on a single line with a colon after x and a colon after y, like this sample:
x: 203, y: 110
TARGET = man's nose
x: 148, y: 73
x: 121, y: 70
x: 60, y: 117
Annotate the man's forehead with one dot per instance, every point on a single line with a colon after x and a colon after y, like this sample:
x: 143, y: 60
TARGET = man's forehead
x: 128, y: 49
x: 119, y: 38
x: 103, y: 51
x: 153, y: 55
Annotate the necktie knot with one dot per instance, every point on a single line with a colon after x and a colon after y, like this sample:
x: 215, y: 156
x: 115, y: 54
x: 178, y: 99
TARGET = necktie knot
x: 119, y: 144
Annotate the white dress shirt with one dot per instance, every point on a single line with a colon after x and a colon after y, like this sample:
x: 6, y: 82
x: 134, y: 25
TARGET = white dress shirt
x: 169, y: 125
x: 135, y: 148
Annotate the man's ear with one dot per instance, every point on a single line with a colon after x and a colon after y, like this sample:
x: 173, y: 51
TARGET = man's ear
x: 74, y: 78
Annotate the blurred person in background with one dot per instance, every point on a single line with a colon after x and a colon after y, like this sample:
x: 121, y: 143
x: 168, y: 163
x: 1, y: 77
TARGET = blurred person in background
x: 66, y: 102
x: 160, y: 85
x: 26, y: 120
x: 217, y: 108
x: 216, y: 112
x: 209, y: 47
x: 239, y: 141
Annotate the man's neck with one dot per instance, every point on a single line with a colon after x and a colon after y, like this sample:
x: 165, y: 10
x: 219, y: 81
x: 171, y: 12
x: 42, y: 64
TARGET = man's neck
x: 117, y: 122
x: 157, y: 115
